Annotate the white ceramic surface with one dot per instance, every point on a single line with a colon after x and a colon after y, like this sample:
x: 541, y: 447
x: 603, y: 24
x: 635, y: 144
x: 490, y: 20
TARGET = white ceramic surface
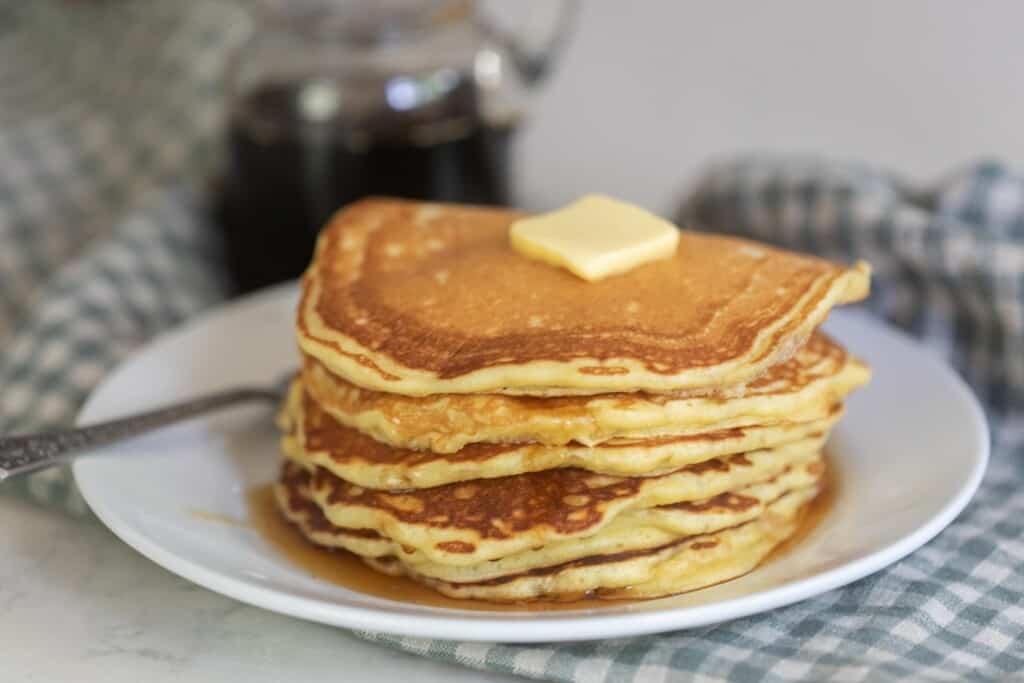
x: 910, y: 452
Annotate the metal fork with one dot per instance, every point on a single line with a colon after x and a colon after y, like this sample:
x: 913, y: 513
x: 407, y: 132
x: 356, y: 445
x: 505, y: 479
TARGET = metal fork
x: 32, y: 452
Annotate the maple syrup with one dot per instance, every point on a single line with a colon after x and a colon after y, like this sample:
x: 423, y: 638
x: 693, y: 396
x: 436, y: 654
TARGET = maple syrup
x: 288, y: 174
x: 812, y: 514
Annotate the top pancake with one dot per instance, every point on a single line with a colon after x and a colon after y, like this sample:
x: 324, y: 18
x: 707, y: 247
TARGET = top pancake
x: 418, y: 299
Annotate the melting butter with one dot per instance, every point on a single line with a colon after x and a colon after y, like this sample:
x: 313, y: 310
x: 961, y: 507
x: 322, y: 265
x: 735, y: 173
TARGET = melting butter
x: 595, y: 236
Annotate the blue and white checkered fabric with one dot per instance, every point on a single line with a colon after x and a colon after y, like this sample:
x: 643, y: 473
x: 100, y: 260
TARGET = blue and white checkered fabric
x: 102, y: 104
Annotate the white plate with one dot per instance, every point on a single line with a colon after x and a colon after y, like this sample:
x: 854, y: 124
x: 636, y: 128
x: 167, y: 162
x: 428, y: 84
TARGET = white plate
x: 910, y: 451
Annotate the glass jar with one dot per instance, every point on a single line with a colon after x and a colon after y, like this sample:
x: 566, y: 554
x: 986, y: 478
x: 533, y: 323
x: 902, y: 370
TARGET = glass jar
x: 330, y: 101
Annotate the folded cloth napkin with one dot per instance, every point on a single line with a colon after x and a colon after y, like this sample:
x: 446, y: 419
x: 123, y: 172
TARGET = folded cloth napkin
x: 95, y: 258
x: 101, y: 104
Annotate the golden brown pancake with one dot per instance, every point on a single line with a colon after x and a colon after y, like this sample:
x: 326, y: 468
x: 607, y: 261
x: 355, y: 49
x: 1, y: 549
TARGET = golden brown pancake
x: 633, y: 530
x: 468, y: 522
x: 363, y: 461
x: 686, y: 564
x: 418, y: 299
x: 620, y: 566
x: 808, y: 384
x: 291, y: 493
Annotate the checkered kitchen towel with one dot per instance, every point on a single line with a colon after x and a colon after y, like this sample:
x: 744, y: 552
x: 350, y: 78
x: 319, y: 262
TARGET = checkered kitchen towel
x: 103, y: 104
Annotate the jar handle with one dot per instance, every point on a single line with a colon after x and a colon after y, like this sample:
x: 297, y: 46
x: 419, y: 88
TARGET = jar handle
x: 534, y: 64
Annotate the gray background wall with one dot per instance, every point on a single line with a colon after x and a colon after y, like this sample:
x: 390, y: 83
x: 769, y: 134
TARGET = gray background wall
x: 650, y: 89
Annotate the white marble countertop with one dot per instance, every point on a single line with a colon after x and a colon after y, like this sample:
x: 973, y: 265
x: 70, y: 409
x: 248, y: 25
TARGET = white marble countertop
x: 78, y: 604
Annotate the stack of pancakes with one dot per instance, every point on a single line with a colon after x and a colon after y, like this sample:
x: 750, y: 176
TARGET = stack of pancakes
x: 498, y: 429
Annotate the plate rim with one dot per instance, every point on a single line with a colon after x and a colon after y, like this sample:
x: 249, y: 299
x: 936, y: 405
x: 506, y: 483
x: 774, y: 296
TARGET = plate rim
x: 451, y: 624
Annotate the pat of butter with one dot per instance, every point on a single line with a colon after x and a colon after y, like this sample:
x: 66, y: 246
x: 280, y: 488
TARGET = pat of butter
x: 595, y: 237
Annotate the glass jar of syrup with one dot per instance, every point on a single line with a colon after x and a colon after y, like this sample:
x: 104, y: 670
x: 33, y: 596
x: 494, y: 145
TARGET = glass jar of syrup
x: 333, y: 100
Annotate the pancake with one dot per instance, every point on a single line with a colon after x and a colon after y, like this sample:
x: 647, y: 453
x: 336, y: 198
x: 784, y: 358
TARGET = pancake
x: 294, y: 500
x: 683, y: 565
x: 498, y: 429
x: 419, y: 299
x: 291, y: 493
x: 634, y: 530
x: 817, y: 376
x: 361, y: 460
x: 469, y: 522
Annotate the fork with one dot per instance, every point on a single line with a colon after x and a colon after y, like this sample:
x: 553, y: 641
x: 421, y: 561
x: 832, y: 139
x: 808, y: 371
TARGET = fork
x: 27, y: 453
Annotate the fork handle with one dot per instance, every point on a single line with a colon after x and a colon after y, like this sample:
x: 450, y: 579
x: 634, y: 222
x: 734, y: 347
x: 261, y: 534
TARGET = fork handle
x: 31, y: 452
